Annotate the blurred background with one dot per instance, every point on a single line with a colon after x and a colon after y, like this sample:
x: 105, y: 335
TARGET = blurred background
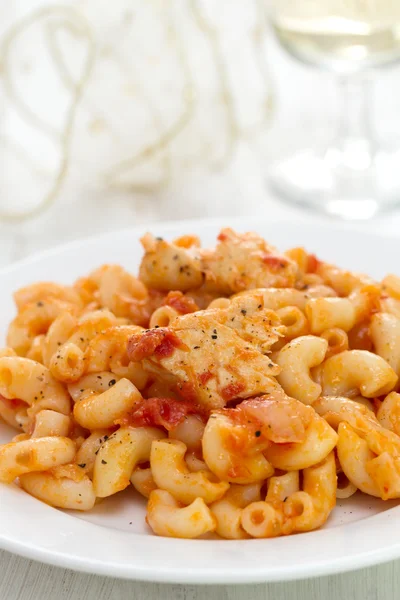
x: 126, y: 112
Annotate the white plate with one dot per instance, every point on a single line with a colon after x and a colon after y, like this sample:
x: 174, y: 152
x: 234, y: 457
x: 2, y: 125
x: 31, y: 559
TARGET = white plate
x: 113, y: 539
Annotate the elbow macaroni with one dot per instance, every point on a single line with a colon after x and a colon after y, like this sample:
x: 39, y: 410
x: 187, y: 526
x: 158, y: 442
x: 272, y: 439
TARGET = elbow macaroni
x: 384, y: 331
x: 49, y: 423
x: 117, y: 381
x: 171, y: 473
x: 319, y: 442
x: 142, y: 480
x: 337, y: 339
x: 296, y: 359
x: 40, y: 454
x: 32, y: 383
x: 326, y: 313
x: 369, y: 454
x: 102, y: 410
x: 359, y: 370
x: 168, y: 518
x: 221, y: 458
x: 388, y: 414
x: 228, y: 511
x: 163, y: 316
x: 61, y: 492
x: 118, y: 456
x: 299, y: 510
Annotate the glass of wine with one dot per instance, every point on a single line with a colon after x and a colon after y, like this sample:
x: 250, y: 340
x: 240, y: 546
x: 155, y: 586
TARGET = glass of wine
x: 353, y: 175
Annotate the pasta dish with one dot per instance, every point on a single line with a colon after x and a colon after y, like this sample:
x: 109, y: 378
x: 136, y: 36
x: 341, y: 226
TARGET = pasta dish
x: 240, y: 390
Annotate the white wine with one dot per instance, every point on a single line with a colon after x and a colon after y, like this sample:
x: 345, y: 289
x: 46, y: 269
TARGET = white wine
x: 355, y: 175
x: 345, y: 35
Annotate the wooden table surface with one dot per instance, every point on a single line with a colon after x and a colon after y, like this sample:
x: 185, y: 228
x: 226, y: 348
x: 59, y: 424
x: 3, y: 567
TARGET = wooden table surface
x: 23, y: 579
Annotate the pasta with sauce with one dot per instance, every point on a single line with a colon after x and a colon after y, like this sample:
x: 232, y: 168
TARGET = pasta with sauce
x: 230, y: 386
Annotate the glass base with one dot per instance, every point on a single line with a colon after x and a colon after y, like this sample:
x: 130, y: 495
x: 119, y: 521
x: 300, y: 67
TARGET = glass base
x: 352, y: 181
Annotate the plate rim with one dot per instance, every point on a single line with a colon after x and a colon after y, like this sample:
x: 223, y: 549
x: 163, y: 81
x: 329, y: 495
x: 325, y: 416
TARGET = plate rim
x: 199, y: 576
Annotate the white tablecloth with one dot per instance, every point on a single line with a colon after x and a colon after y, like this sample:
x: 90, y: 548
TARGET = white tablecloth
x: 304, y: 103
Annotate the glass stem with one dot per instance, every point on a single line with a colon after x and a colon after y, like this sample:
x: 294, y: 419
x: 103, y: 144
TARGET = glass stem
x: 355, y: 122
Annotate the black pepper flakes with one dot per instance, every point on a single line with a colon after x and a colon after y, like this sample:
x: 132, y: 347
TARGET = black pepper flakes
x: 257, y: 433
x: 244, y: 312
x: 112, y: 382
x: 82, y: 465
x: 103, y: 462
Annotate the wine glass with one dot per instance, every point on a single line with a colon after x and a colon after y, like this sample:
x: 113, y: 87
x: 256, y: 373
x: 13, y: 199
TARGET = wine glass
x: 353, y: 175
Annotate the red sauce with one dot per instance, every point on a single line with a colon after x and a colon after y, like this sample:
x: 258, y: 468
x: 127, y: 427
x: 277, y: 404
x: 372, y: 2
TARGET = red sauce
x: 142, y: 346
x: 313, y: 263
x: 168, y: 345
x: 160, y: 342
x: 181, y: 303
x: 205, y: 377
x: 158, y: 412
x: 187, y: 391
x: 274, y: 263
x: 232, y: 390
